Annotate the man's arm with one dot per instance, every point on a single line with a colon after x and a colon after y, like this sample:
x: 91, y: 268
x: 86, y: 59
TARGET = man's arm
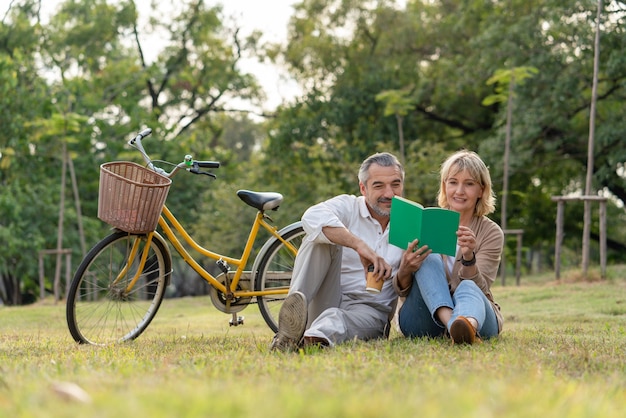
x: 342, y: 236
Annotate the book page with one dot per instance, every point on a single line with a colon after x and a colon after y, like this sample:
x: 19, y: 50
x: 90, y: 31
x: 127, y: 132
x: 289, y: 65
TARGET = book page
x: 439, y: 228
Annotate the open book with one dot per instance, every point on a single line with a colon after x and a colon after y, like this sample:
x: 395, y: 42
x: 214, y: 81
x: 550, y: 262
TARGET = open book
x: 432, y: 226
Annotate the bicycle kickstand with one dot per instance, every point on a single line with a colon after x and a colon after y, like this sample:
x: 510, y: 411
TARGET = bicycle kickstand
x: 236, y: 320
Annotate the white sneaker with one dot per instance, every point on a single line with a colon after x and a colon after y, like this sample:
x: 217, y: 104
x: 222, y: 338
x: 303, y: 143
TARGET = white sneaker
x: 292, y: 320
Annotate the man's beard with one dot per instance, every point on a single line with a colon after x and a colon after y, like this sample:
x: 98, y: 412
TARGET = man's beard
x: 378, y: 209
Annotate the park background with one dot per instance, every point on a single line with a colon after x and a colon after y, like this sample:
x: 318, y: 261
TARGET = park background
x: 418, y: 78
x: 79, y: 78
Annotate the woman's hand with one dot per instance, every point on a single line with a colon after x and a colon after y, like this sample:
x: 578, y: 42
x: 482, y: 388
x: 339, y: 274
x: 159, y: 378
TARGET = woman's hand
x: 467, y: 242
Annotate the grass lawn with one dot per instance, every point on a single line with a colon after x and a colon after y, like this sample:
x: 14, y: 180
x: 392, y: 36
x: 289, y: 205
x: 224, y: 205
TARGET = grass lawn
x: 562, y: 354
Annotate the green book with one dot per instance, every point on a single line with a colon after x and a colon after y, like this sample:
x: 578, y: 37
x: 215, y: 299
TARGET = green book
x: 432, y: 226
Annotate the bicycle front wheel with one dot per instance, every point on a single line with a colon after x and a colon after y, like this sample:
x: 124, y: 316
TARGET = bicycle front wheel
x: 112, y: 298
x: 274, y: 273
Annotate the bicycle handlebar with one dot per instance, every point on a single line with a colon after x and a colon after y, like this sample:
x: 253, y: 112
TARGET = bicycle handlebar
x: 208, y: 164
x: 142, y: 134
x: 188, y: 164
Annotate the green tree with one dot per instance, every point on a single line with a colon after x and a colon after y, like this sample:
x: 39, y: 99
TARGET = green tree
x: 96, y: 62
x: 397, y: 103
x: 345, y: 53
x: 338, y: 121
x: 24, y: 193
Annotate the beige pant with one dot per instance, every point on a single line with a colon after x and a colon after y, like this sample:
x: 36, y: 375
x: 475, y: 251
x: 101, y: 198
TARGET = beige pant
x: 332, y: 315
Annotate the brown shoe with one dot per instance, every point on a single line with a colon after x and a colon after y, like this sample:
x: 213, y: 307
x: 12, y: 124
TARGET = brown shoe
x: 463, y: 332
x: 317, y: 342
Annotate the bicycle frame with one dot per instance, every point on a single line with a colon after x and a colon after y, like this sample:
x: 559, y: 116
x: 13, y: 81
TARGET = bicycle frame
x: 167, y: 218
x: 120, y: 284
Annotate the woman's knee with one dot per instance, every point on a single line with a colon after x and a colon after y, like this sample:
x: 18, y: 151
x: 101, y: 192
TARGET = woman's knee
x: 468, y: 286
x: 432, y: 269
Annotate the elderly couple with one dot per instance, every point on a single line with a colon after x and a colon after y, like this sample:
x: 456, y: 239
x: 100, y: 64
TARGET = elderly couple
x: 440, y: 295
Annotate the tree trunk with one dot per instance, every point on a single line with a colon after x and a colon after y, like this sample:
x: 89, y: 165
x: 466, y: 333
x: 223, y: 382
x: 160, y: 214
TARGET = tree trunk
x: 400, y: 136
x: 79, y: 214
x: 505, y: 172
x: 590, y: 153
x: 57, y: 270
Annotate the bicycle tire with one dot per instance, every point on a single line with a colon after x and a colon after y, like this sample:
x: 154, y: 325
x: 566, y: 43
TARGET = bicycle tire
x: 99, y: 311
x: 274, y: 270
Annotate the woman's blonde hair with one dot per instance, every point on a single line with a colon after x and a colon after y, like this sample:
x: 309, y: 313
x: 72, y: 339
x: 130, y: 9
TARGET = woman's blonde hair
x: 476, y: 168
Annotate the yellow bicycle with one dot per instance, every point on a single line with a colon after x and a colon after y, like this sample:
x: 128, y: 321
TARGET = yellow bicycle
x: 120, y: 284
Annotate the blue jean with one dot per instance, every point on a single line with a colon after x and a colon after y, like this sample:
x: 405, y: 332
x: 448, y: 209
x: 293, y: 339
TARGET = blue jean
x: 430, y: 291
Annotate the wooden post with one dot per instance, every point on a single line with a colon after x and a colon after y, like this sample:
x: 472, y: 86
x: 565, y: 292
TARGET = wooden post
x: 559, y: 230
x: 603, y: 238
x: 518, y: 258
x: 42, y: 290
x: 518, y: 255
x: 68, y: 271
x: 57, y: 280
x: 559, y: 236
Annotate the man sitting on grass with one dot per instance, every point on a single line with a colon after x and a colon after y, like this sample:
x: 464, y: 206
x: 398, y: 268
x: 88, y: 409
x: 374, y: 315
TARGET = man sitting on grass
x: 327, y: 303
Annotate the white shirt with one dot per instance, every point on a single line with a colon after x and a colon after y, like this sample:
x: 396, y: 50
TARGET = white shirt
x: 351, y: 212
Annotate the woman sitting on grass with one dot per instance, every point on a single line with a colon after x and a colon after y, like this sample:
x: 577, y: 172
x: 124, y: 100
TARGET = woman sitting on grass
x: 452, y: 295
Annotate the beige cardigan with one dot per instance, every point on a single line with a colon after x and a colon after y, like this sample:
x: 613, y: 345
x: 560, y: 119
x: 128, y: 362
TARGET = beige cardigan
x: 489, y: 242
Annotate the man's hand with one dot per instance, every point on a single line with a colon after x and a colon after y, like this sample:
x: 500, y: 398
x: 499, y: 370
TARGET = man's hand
x: 382, y: 269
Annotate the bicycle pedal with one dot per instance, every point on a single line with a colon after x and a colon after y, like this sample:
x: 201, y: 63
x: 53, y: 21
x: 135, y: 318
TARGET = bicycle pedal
x: 223, y: 265
x: 235, y: 321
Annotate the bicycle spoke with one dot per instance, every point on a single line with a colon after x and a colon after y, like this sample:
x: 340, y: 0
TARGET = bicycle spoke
x: 274, y: 273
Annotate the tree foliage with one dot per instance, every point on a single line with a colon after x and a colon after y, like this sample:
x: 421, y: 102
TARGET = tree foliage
x: 98, y: 61
x: 345, y: 54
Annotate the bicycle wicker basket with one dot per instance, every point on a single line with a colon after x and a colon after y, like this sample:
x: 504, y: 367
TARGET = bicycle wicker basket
x: 131, y: 197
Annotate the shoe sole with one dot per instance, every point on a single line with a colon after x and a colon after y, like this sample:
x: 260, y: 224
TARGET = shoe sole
x: 292, y: 320
x: 462, y: 331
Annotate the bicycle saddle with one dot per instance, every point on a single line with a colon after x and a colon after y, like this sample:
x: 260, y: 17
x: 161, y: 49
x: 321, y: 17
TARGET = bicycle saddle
x: 261, y: 200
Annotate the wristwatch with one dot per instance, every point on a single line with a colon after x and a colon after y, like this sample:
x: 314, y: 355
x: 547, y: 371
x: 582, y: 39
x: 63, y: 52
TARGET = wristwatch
x: 469, y: 262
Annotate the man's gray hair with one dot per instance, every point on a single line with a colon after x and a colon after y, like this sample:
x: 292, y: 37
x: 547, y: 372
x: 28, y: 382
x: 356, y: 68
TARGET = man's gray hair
x: 383, y: 159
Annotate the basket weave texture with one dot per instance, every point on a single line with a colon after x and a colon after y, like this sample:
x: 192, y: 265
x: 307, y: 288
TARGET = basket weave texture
x: 131, y: 197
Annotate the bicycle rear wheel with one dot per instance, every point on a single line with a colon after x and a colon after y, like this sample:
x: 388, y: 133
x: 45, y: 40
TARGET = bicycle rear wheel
x: 104, y: 306
x: 274, y: 272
